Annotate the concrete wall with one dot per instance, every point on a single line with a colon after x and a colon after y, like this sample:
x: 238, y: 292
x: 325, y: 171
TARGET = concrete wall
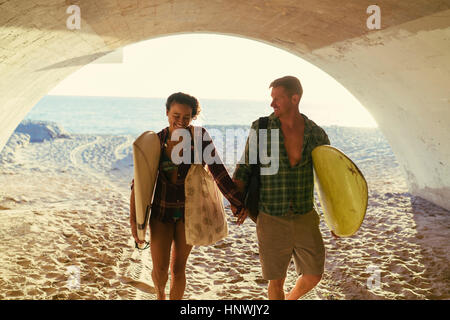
x: 402, y: 76
x: 399, y: 73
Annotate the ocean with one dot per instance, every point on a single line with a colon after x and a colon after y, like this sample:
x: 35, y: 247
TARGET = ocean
x: 120, y: 115
x: 126, y: 115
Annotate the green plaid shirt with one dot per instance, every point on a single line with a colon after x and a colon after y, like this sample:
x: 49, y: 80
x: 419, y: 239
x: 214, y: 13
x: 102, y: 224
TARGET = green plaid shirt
x: 290, y: 188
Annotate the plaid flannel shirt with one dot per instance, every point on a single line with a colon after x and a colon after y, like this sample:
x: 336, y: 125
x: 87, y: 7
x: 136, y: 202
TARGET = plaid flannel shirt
x: 169, y: 197
x: 291, y: 188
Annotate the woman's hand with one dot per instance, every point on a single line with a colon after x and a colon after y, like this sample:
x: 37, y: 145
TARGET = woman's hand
x: 134, y: 232
x: 241, y: 216
x: 133, y: 217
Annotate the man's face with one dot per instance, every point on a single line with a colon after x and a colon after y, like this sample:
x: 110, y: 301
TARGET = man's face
x: 282, y: 103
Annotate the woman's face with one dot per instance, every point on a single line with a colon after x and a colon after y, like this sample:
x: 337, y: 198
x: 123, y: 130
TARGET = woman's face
x: 179, y: 116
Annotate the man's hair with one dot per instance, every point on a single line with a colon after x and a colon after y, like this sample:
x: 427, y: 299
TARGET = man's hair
x: 290, y: 84
x: 183, y: 98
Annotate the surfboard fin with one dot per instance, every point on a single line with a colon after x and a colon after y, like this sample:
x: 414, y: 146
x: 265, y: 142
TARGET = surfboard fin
x: 142, y: 246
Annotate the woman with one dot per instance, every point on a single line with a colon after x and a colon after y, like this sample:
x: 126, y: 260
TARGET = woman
x: 167, y: 215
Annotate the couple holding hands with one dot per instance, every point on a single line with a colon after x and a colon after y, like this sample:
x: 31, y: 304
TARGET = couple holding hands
x: 287, y: 225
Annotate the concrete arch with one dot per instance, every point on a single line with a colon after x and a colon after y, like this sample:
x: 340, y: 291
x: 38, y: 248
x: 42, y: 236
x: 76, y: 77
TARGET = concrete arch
x: 400, y: 72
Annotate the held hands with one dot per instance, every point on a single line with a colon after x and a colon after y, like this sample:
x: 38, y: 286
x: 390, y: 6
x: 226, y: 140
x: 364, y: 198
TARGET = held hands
x: 243, y: 214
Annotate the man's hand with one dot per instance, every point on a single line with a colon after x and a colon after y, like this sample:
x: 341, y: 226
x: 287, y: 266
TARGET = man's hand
x: 334, y: 235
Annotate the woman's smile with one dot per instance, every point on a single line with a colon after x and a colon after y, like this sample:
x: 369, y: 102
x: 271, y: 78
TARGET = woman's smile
x: 179, y: 116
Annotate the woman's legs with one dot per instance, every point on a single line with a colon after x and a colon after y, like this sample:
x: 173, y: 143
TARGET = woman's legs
x: 161, y: 237
x: 180, y: 254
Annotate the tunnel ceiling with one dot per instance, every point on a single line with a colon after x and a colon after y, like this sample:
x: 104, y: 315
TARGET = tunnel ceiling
x: 314, y: 24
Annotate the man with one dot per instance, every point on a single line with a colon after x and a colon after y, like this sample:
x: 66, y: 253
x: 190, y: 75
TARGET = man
x: 287, y: 224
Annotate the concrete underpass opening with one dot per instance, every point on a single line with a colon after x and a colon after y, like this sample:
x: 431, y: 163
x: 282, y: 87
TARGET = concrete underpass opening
x: 399, y: 72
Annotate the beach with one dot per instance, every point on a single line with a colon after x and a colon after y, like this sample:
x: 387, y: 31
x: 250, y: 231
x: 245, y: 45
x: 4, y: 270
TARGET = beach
x: 65, y: 234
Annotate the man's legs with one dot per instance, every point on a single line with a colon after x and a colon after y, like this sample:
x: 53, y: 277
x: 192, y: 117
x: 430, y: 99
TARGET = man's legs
x: 275, y: 251
x: 281, y: 237
x: 275, y: 289
x: 309, y: 254
x: 304, y: 284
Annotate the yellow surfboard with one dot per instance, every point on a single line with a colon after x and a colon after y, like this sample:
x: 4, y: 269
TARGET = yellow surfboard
x: 342, y: 190
x: 146, y: 152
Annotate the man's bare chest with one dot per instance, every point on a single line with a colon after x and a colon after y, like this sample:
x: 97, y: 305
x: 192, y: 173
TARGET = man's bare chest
x: 293, y: 143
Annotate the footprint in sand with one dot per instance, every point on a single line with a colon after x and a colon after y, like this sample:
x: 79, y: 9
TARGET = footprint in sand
x: 236, y: 279
x: 219, y: 281
x: 23, y: 262
x: 14, y: 293
x: 138, y: 284
x: 222, y: 245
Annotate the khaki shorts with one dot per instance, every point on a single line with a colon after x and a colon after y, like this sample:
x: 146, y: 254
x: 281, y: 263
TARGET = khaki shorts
x: 281, y: 237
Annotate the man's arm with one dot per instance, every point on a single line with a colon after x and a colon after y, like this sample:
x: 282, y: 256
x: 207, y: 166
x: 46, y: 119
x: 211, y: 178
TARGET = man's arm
x: 243, y: 170
x: 322, y: 137
x: 242, y: 173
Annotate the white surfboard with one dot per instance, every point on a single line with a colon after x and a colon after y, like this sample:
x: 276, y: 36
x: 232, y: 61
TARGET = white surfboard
x: 146, y: 153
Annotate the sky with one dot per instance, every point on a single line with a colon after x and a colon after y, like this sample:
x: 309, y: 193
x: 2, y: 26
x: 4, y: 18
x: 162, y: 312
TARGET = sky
x: 211, y: 66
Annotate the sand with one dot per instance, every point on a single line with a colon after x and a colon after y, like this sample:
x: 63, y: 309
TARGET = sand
x: 64, y: 231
